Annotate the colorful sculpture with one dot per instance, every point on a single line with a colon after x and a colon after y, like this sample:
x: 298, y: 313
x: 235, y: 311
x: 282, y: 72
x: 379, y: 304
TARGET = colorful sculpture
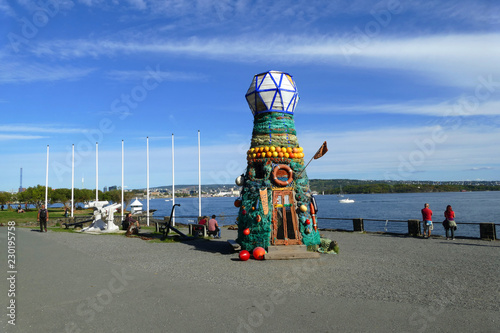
x: 275, y: 204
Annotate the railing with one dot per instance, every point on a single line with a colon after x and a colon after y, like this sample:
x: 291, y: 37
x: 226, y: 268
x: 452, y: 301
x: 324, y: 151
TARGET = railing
x: 487, y: 230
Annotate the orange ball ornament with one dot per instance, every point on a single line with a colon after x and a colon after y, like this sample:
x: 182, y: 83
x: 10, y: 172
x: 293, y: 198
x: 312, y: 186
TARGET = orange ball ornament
x: 275, y: 154
x: 258, y: 253
x: 280, y: 154
x: 278, y: 149
x: 246, y: 231
x: 288, y: 150
x: 237, y: 203
x: 269, y: 154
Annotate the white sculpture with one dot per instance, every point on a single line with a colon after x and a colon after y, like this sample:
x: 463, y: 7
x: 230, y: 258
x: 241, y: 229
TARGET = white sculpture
x: 103, y: 211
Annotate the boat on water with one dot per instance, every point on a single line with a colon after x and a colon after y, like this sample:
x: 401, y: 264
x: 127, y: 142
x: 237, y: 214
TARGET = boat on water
x: 346, y: 200
x: 340, y: 195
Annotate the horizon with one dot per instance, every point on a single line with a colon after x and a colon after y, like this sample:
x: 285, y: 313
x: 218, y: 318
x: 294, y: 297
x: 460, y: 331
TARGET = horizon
x: 311, y: 179
x: 400, y: 90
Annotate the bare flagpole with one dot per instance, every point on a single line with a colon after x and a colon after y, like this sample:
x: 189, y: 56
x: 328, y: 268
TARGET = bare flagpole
x: 47, y: 181
x: 199, y: 175
x: 147, y: 180
x: 96, y: 171
x: 173, y: 181
x: 123, y: 175
x: 72, y: 179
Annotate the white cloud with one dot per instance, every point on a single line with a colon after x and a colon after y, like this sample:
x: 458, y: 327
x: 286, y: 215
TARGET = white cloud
x: 401, y: 152
x: 452, y: 59
x: 15, y: 72
x: 135, y: 75
x: 7, y: 137
x: 459, y: 107
x: 46, y: 128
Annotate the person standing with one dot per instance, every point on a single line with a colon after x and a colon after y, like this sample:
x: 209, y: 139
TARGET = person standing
x: 213, y: 227
x: 427, y: 219
x: 43, y: 218
x: 449, y: 223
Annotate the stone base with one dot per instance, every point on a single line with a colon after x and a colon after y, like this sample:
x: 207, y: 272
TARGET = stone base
x: 284, y: 252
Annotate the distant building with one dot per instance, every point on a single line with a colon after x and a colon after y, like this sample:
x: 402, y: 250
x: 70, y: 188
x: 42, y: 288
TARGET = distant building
x: 113, y: 188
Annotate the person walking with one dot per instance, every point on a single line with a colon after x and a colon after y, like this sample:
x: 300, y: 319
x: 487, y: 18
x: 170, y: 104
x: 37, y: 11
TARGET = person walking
x: 427, y: 219
x: 43, y: 218
x: 449, y: 223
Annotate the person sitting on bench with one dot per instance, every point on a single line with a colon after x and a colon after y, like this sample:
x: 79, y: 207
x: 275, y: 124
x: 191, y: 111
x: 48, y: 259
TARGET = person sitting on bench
x: 213, y: 227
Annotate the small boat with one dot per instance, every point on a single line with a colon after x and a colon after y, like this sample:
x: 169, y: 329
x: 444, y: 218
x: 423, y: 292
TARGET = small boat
x: 340, y: 195
x: 346, y: 200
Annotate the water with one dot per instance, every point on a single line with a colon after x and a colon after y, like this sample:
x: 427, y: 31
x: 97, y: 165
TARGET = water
x: 468, y: 207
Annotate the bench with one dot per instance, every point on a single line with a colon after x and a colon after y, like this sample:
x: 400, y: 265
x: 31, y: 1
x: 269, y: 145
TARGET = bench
x: 165, y: 226
x: 197, y: 230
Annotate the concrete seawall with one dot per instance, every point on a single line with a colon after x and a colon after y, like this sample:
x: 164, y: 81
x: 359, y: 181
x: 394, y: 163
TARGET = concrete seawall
x: 71, y: 282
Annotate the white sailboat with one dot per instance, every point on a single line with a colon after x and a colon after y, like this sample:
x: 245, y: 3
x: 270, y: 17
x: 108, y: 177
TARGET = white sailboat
x: 340, y: 195
x: 346, y: 200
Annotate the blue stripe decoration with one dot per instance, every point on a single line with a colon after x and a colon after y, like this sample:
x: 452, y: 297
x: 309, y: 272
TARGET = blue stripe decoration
x: 278, y: 79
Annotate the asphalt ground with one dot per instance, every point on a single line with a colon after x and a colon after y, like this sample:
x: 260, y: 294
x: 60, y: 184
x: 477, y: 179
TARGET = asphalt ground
x: 69, y: 282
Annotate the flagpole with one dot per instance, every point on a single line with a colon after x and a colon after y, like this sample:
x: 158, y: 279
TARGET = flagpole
x: 47, y: 181
x: 72, y: 179
x: 199, y: 175
x: 147, y: 181
x: 96, y: 171
x: 173, y: 182
x: 123, y: 176
x: 321, y: 151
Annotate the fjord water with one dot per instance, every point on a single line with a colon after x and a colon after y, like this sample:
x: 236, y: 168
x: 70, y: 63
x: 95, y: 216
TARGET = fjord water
x: 468, y: 207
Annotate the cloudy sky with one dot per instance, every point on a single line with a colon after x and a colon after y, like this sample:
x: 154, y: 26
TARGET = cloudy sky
x: 402, y: 90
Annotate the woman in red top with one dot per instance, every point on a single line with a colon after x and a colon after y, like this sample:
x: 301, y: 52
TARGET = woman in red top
x: 450, y: 223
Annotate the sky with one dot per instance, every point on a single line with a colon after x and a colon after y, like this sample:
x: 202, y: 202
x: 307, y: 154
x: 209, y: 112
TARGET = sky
x: 400, y: 90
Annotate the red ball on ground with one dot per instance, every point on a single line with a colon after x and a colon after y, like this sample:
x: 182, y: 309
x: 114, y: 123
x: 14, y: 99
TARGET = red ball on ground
x: 246, y: 231
x: 258, y: 253
x: 244, y: 255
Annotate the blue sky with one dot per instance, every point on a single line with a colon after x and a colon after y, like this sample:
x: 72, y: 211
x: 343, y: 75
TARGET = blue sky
x: 402, y: 90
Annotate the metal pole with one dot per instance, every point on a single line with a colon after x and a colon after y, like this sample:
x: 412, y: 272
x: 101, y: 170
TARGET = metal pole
x: 47, y: 181
x: 173, y: 182
x: 147, y: 181
x: 96, y: 171
x: 72, y: 179
x: 123, y: 176
x: 199, y: 175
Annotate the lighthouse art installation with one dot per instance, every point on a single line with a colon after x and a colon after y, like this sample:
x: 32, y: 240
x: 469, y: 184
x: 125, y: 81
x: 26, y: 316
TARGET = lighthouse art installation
x: 276, y: 206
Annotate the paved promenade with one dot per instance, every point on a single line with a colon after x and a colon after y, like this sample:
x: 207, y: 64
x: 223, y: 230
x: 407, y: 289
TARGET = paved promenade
x: 69, y: 282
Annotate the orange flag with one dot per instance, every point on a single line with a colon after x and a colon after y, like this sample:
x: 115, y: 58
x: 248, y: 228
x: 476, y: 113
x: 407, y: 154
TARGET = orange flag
x: 321, y: 151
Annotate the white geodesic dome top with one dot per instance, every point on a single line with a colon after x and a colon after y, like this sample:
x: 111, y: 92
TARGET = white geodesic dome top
x: 272, y: 91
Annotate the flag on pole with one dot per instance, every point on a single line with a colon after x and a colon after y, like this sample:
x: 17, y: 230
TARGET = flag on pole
x: 321, y: 151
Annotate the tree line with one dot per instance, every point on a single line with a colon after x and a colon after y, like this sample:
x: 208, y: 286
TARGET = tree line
x: 363, y: 187
x: 36, y: 196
